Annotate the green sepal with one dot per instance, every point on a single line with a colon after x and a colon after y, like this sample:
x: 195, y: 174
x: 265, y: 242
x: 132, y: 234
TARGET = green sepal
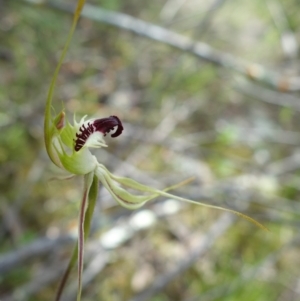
x: 156, y: 192
x: 52, y: 130
x: 120, y: 195
x: 68, y: 134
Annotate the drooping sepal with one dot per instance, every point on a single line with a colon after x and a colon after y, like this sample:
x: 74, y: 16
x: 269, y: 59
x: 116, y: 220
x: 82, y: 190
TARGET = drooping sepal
x: 130, y: 201
x: 120, y: 195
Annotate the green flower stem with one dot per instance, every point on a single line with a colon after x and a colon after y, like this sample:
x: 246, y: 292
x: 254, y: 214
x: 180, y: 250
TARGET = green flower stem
x: 88, y: 179
x: 93, y: 193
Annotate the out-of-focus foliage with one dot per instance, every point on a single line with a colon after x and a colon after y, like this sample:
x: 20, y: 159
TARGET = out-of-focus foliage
x: 183, y: 117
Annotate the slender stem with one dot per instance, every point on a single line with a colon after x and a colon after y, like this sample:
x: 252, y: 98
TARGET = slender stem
x: 81, y: 236
x: 88, y: 196
x: 93, y: 193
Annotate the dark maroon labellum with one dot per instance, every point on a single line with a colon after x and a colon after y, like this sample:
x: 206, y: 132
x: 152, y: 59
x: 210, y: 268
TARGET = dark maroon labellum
x: 103, y: 125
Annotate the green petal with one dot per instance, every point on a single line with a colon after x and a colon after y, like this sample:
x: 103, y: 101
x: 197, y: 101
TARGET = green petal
x: 79, y: 163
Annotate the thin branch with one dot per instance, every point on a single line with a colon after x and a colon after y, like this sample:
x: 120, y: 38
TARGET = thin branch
x: 183, y: 43
x: 267, y: 95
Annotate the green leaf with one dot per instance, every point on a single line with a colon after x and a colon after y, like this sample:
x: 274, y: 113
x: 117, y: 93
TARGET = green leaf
x: 88, y: 180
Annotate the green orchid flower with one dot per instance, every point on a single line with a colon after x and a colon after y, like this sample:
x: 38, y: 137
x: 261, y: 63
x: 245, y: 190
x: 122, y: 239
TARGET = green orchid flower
x: 68, y: 146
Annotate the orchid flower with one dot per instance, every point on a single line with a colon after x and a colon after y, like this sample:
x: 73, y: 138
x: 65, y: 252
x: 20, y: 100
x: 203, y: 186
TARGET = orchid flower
x: 68, y: 146
x: 69, y: 149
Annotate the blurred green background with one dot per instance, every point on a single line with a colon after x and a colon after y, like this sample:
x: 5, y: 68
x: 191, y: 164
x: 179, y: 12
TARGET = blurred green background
x: 228, y: 116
